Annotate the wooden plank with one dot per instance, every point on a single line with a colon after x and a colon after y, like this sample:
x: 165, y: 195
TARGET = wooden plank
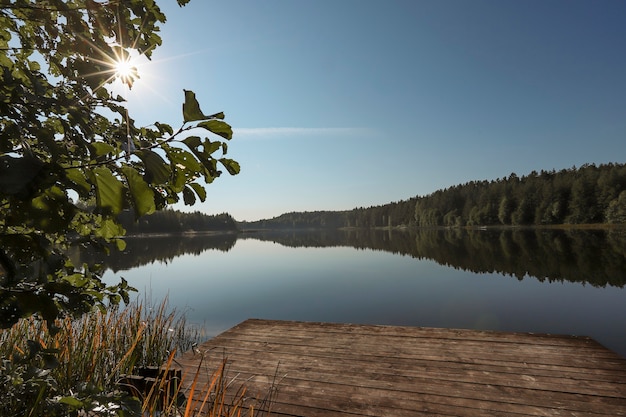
x: 438, y: 356
x: 509, y: 339
x: 383, y: 374
x: 453, y: 352
x: 340, y: 369
x: 397, y: 387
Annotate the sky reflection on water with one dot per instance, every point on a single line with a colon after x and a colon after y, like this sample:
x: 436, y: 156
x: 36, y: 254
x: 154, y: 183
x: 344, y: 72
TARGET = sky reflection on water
x: 261, y: 279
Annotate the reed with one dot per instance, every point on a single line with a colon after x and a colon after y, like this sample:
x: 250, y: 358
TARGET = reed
x: 209, y: 392
x: 100, y: 346
x: 95, y: 350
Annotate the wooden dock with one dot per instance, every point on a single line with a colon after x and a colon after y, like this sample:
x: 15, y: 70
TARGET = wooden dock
x: 324, y: 369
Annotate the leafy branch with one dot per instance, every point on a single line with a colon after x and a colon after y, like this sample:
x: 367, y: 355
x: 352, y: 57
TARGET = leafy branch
x: 65, y: 174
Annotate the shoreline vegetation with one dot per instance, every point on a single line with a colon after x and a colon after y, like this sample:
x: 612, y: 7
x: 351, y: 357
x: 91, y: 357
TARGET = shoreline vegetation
x: 78, y: 365
x: 586, y: 226
x: 190, y: 233
x: 564, y: 226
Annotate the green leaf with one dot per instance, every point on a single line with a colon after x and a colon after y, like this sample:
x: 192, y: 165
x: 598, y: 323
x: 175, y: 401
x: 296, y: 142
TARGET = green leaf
x: 193, y: 142
x: 110, y: 229
x: 109, y: 190
x: 219, y: 115
x: 188, y: 196
x: 164, y: 128
x: 231, y: 165
x: 199, y: 190
x: 72, y: 402
x: 77, y: 177
x: 76, y: 280
x: 34, y: 65
x: 140, y: 192
x: 185, y: 165
x: 210, y: 147
x: 218, y: 127
x: 51, y: 211
x: 157, y: 170
x: 100, y: 149
x: 191, y: 108
x: 121, y: 244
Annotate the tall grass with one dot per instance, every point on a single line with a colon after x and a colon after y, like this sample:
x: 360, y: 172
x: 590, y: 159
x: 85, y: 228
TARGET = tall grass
x: 98, y: 348
x: 218, y: 395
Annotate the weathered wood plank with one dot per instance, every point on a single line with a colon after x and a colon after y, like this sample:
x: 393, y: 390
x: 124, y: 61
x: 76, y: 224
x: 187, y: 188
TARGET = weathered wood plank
x: 524, y: 356
x: 339, y: 369
x: 383, y: 374
x: 431, y: 334
x: 397, y: 387
x: 437, y: 357
x: 424, y: 332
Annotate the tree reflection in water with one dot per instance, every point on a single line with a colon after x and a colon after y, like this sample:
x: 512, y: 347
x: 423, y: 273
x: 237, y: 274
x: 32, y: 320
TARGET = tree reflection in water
x: 595, y: 257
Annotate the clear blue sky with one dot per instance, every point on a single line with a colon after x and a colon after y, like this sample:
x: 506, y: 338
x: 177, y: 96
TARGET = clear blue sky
x: 339, y: 104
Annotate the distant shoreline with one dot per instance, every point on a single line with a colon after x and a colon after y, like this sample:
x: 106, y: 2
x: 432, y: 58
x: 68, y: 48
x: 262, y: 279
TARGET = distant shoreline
x: 187, y: 233
x: 591, y: 226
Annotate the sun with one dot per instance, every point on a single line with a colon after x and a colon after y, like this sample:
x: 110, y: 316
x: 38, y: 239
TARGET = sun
x: 125, y: 71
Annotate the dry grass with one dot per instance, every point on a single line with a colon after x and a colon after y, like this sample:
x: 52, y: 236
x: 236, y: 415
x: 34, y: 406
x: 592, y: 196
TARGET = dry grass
x: 100, y: 347
x: 219, y: 396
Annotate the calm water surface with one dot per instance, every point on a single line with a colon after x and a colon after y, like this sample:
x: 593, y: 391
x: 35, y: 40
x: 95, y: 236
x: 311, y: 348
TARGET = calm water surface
x: 263, y: 279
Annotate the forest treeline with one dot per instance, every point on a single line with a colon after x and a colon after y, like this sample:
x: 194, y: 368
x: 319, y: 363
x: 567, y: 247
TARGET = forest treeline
x: 584, y: 195
x: 174, y: 221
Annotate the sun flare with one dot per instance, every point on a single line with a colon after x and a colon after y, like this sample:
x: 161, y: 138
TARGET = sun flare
x: 125, y: 71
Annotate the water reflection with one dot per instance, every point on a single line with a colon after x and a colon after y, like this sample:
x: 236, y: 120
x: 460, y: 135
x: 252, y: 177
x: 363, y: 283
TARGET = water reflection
x: 144, y: 250
x: 595, y: 257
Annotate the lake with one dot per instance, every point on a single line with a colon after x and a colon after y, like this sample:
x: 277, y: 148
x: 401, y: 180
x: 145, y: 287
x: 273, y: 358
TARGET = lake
x: 542, y: 281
